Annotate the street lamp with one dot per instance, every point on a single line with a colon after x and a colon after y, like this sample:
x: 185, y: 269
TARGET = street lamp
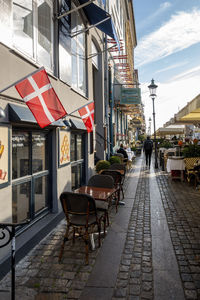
x: 152, y: 89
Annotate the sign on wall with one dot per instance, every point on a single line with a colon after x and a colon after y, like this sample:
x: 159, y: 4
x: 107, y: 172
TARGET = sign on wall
x: 130, y: 96
x: 4, y: 178
x: 64, y: 147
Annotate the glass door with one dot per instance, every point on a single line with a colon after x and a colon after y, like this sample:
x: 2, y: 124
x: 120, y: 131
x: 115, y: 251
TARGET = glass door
x: 77, y: 160
x: 30, y: 174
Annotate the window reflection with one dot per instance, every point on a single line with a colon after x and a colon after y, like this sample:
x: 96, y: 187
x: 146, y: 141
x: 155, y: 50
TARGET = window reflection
x: 20, y: 154
x: 40, y: 193
x: 23, y: 25
x: 44, y: 33
x: 78, y: 54
x: 20, y: 202
x: 29, y: 157
x: 65, y: 43
x: 32, y: 26
x: 39, y: 152
x: 79, y: 147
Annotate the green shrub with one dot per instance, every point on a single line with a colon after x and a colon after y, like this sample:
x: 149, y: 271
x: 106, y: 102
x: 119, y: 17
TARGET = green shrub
x: 191, y: 151
x: 133, y: 148
x: 114, y: 160
x: 101, y: 165
x: 166, y: 144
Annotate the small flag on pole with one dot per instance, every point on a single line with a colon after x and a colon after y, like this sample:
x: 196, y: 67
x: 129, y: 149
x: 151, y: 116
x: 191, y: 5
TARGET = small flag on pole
x: 39, y: 95
x: 87, y: 115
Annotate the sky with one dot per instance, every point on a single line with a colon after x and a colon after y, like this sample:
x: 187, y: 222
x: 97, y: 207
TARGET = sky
x: 168, y: 50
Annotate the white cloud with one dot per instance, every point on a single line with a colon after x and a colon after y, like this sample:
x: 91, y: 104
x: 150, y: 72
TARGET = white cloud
x: 171, y: 97
x: 172, y: 67
x: 163, y: 7
x: 180, y: 32
x: 187, y: 74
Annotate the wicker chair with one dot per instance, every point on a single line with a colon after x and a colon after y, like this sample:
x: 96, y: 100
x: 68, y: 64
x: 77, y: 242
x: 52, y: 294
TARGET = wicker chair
x: 117, y: 166
x: 81, y: 214
x: 190, y: 168
x: 117, y: 181
x: 102, y: 181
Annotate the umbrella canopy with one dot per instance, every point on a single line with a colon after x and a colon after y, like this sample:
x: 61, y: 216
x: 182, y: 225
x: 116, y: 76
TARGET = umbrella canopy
x: 171, y: 130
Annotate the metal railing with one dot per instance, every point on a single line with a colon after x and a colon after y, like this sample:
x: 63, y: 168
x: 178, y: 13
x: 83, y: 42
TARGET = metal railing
x: 7, y: 235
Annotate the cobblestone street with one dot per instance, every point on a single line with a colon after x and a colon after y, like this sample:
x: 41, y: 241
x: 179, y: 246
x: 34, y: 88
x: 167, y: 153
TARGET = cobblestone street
x: 151, y: 250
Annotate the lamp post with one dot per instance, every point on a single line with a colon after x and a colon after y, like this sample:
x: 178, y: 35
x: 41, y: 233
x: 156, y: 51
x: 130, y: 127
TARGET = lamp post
x: 152, y: 89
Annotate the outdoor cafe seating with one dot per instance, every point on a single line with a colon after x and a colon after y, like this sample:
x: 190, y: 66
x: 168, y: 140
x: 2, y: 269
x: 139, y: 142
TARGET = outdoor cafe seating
x: 117, y: 167
x: 88, y: 207
x: 102, y: 181
x: 117, y: 176
x: 82, y: 215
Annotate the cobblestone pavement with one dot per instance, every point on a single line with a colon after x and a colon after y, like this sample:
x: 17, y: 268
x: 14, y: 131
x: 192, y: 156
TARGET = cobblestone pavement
x: 39, y: 275
x: 135, y: 277
x: 181, y: 203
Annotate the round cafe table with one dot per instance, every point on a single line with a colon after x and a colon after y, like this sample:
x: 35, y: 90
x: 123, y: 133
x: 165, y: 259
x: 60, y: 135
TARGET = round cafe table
x: 176, y: 163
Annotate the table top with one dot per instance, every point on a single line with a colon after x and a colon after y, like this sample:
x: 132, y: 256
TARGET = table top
x: 96, y: 192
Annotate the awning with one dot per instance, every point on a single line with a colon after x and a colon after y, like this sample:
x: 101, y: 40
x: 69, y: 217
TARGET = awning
x: 99, y: 18
x: 76, y: 124
x: 19, y: 113
x: 171, y: 130
x: 190, y: 114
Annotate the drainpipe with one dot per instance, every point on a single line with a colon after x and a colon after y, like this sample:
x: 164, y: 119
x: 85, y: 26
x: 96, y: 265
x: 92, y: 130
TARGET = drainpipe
x: 106, y: 90
x: 111, y: 108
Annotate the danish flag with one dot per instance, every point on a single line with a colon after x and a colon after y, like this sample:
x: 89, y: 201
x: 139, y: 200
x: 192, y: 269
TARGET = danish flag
x: 39, y: 95
x: 87, y: 115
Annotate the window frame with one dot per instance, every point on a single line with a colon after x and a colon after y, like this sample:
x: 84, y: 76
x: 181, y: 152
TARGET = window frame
x: 75, y: 17
x: 34, y: 56
x: 31, y: 178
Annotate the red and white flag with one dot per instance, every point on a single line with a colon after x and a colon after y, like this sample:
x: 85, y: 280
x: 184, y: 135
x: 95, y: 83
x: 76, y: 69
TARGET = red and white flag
x: 87, y: 115
x: 38, y: 93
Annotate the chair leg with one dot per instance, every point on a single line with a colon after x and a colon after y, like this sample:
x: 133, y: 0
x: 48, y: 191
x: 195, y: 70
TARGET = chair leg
x: 65, y: 239
x: 99, y: 230
x: 86, y: 247
x: 74, y: 231
x: 121, y: 187
x: 107, y: 218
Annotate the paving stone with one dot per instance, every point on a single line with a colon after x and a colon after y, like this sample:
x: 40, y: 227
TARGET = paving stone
x: 134, y: 289
x: 119, y: 293
x: 190, y: 294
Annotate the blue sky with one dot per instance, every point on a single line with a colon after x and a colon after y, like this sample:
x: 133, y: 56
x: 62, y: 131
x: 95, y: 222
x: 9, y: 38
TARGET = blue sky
x: 168, y: 50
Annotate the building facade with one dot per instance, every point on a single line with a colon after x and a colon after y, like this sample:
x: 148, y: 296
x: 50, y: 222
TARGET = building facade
x: 37, y: 165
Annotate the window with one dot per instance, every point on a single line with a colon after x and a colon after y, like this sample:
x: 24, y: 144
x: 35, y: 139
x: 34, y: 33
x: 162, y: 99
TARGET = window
x: 33, y: 29
x: 30, y: 174
x: 95, y: 57
x: 77, y: 160
x: 65, y: 43
x: 78, y: 55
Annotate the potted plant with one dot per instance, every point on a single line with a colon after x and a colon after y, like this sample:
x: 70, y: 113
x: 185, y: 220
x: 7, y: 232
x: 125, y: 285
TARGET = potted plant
x: 102, y: 165
x: 114, y: 159
x: 165, y: 144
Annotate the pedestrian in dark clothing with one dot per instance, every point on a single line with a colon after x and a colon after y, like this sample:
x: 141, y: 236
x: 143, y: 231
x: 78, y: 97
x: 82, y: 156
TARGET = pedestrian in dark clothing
x: 123, y: 151
x: 148, y: 147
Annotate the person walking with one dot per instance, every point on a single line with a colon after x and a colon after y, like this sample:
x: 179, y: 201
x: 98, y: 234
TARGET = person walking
x: 148, y: 147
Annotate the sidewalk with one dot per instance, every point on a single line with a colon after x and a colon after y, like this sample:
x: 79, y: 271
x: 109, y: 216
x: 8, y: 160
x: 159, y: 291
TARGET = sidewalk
x: 151, y: 250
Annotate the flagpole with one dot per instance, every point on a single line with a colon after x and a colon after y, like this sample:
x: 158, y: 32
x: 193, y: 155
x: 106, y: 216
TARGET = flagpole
x: 9, y: 86
x: 79, y: 108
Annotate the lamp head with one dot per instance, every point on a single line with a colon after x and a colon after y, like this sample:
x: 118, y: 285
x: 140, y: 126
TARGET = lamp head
x: 152, y: 88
